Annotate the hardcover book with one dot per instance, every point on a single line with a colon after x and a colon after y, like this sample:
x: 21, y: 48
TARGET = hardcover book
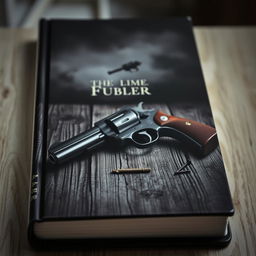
x: 125, y: 145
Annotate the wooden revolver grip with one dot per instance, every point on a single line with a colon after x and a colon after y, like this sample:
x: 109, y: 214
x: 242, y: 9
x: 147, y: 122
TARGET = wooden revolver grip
x: 201, y: 136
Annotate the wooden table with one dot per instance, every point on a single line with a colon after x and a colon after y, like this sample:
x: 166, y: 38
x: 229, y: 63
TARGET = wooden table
x: 228, y: 57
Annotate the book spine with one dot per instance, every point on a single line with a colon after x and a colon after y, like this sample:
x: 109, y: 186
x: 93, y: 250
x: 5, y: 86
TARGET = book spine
x: 39, y: 141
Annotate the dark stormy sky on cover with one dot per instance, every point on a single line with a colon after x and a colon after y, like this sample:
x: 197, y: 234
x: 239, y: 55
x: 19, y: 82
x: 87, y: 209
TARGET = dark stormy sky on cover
x: 85, y: 51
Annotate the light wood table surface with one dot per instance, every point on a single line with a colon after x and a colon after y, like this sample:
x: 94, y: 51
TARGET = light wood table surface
x: 228, y: 57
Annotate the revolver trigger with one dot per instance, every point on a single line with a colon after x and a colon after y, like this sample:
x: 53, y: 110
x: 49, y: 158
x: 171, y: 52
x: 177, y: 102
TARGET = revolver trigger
x: 146, y: 134
x: 145, y: 137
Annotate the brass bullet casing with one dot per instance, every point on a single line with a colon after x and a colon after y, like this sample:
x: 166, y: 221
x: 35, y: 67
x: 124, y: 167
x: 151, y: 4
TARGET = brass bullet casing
x: 131, y: 170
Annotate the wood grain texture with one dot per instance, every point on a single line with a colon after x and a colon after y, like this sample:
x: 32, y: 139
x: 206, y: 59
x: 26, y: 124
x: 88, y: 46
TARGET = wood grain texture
x: 85, y: 187
x: 228, y: 59
x: 70, y: 182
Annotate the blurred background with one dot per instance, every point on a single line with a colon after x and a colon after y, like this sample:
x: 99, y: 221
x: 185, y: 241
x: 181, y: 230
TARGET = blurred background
x: 26, y: 13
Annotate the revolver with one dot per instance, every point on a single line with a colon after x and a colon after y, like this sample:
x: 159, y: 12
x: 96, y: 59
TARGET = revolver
x: 130, y: 66
x: 141, y: 127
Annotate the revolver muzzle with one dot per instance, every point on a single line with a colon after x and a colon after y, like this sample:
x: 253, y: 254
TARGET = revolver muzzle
x: 85, y: 141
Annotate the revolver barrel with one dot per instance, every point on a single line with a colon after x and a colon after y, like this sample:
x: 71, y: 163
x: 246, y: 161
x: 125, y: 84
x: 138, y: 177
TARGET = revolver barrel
x: 85, y: 141
x: 115, y: 70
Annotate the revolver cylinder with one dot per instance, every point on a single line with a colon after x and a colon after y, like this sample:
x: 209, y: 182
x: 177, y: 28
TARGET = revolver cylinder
x: 123, y: 121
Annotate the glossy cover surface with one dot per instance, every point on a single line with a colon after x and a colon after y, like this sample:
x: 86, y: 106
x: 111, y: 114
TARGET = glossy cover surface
x: 87, y: 80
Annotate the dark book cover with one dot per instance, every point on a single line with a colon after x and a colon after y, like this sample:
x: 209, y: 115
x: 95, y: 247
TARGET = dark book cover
x: 90, y: 70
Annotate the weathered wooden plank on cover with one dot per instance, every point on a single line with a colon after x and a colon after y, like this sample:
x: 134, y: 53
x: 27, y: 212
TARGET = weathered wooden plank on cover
x: 86, y: 186
x: 67, y: 187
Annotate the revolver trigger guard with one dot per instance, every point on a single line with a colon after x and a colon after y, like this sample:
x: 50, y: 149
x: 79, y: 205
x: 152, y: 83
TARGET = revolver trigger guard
x: 144, y: 137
